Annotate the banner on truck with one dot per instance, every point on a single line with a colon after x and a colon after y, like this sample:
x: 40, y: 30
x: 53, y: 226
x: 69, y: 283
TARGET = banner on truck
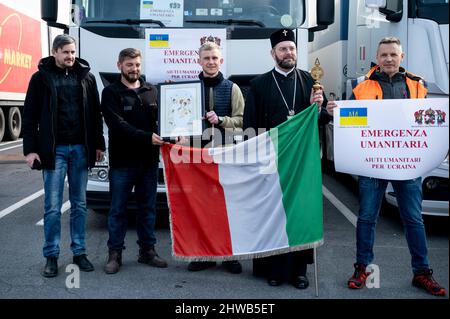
x: 172, y: 54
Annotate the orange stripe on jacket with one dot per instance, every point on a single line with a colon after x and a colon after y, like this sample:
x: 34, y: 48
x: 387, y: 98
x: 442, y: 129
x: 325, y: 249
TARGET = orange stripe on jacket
x: 371, y: 89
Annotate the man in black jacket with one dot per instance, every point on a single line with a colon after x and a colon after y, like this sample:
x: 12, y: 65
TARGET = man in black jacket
x: 130, y: 110
x: 62, y: 134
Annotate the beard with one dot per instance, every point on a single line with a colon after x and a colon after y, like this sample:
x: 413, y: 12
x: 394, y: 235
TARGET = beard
x: 131, y: 77
x: 286, y: 64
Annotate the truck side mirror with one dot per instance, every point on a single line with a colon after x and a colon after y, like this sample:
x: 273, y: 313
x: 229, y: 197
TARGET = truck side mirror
x: 49, y: 13
x: 393, y: 10
x: 375, y: 4
x: 325, y: 17
x: 325, y: 12
x: 49, y: 10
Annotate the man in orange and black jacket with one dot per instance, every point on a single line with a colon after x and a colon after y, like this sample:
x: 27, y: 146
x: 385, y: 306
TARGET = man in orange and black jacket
x: 387, y: 80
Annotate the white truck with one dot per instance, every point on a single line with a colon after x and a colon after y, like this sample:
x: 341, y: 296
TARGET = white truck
x: 104, y: 27
x: 347, y: 49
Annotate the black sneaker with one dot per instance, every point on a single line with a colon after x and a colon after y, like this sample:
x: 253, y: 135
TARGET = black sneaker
x: 301, y: 282
x: 83, y: 263
x: 233, y: 266
x: 51, y: 267
x: 200, y: 265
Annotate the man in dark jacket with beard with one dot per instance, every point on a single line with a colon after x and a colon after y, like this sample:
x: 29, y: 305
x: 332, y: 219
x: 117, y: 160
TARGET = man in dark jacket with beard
x: 62, y: 134
x: 130, y: 109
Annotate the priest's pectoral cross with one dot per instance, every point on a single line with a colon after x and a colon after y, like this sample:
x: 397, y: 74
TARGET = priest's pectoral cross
x: 291, y: 114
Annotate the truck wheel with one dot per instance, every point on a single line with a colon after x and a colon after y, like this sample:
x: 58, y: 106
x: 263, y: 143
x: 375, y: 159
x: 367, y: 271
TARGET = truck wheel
x: 14, y: 124
x: 2, y: 124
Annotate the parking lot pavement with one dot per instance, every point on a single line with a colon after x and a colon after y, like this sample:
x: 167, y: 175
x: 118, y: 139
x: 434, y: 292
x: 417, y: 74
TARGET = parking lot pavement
x: 21, y: 259
x: 22, y: 262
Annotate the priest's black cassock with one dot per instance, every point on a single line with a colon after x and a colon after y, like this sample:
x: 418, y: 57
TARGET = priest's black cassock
x: 264, y: 106
x: 265, y: 109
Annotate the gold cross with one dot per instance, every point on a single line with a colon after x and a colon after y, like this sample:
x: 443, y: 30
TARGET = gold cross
x: 284, y: 32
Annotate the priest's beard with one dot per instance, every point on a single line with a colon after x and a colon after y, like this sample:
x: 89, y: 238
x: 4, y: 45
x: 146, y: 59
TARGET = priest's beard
x: 286, y: 64
x: 131, y: 77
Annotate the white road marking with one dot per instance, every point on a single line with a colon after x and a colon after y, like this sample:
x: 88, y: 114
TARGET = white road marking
x: 10, y: 148
x: 21, y: 203
x: 65, y: 207
x: 11, y: 142
x: 340, y: 206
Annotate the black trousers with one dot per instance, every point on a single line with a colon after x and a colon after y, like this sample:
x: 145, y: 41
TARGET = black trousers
x: 284, y: 267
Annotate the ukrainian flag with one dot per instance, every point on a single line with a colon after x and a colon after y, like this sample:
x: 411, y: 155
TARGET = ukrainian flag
x: 159, y: 40
x: 147, y: 4
x: 353, y: 116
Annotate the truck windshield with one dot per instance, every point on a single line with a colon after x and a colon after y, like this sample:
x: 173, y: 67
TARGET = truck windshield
x: 436, y: 10
x: 192, y: 13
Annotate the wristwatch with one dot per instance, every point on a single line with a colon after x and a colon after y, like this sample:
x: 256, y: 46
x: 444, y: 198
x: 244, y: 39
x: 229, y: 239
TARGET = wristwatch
x: 219, y: 120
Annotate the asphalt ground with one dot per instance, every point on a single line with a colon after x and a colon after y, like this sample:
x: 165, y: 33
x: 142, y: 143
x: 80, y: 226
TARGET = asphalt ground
x: 21, y: 260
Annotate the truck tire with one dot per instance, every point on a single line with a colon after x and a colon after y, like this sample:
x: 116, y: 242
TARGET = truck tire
x: 2, y: 124
x: 14, y: 123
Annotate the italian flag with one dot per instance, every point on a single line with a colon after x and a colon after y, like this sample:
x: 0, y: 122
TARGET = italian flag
x: 257, y: 198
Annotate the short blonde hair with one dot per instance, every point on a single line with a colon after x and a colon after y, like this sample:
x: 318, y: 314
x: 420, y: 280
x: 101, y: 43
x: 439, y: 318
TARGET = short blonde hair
x: 389, y: 40
x: 208, y: 46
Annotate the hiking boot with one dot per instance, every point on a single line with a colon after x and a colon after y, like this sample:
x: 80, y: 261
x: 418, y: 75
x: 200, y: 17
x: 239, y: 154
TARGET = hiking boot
x: 114, y: 262
x: 200, y: 265
x: 51, y: 267
x: 83, y: 263
x: 358, y: 280
x: 232, y: 266
x: 424, y: 280
x: 150, y: 257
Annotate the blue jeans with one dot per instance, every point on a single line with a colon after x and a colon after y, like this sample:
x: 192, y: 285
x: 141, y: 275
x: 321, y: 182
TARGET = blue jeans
x: 121, y: 183
x: 409, y: 199
x: 70, y: 160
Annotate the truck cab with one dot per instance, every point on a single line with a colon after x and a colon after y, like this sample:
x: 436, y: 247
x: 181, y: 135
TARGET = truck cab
x: 104, y: 27
x: 347, y: 51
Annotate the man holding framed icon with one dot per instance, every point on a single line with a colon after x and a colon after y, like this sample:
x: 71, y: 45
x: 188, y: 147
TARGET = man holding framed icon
x: 209, y: 111
x: 224, y: 102
x: 224, y: 109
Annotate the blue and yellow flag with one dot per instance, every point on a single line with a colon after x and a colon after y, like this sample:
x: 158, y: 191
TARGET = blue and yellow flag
x: 353, y: 116
x: 147, y: 4
x: 159, y: 40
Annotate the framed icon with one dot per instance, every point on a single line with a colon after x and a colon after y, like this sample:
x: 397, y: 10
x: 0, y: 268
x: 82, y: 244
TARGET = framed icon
x: 181, y: 109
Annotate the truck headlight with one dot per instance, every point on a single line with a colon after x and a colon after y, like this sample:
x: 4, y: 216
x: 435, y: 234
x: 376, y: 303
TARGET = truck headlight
x: 99, y: 174
x: 102, y: 174
x: 432, y: 183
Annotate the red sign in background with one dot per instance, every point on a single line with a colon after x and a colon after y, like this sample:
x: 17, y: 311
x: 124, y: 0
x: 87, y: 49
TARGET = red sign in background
x: 20, y: 49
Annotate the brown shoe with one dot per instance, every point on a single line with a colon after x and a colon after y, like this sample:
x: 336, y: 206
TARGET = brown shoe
x: 114, y: 262
x: 150, y: 257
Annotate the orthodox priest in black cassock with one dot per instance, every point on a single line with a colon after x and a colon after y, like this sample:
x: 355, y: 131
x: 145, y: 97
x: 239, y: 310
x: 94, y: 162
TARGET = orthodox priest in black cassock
x: 273, y: 98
